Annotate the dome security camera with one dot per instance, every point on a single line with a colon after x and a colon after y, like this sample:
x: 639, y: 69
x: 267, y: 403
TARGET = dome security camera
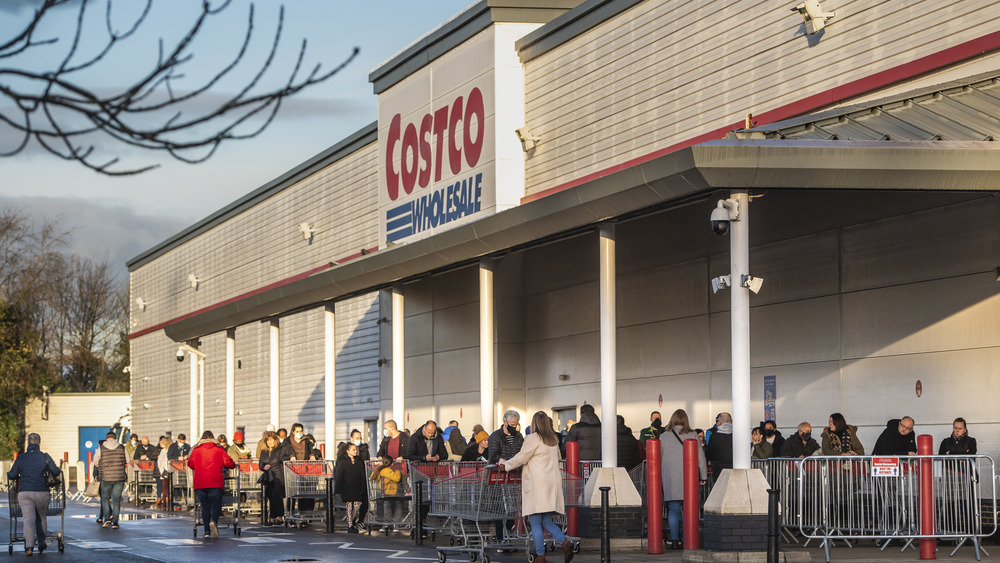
x: 180, y: 354
x: 720, y: 221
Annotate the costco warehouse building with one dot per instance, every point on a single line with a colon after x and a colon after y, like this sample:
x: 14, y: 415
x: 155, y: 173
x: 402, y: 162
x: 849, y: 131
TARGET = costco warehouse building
x: 448, y: 261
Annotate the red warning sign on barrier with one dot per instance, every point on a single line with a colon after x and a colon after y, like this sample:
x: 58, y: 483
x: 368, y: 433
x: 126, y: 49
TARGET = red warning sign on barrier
x: 885, y: 467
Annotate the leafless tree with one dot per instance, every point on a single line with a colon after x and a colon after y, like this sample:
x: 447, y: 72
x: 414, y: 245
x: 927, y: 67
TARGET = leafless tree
x: 54, y: 107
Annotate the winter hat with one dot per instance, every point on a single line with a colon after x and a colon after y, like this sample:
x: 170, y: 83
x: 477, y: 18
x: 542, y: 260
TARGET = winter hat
x: 238, y: 436
x: 480, y: 436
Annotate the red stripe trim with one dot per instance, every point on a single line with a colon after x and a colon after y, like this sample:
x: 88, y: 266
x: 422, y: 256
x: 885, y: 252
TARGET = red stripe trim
x: 952, y: 55
x: 253, y: 292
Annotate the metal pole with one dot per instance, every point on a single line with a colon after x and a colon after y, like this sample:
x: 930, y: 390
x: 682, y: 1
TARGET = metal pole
x: 329, y: 504
x: 605, y: 526
x: 654, y: 496
x: 418, y: 499
x: 740, y: 313
x: 486, y: 338
x: 773, y: 524
x: 692, y: 499
x: 398, y: 356
x: 264, y: 504
x: 609, y: 374
x: 329, y: 377
x: 925, y: 446
x: 573, y: 468
x: 230, y: 382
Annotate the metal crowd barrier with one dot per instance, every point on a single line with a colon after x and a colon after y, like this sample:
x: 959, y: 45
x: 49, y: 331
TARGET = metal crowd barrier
x: 832, y: 498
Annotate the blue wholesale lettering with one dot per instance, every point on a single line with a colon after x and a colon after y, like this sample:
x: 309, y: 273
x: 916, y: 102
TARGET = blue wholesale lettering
x: 450, y: 203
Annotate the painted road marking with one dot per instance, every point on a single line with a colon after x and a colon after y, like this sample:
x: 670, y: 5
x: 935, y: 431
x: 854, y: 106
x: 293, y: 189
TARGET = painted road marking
x: 175, y: 542
x: 262, y: 540
x: 393, y: 553
x: 99, y: 545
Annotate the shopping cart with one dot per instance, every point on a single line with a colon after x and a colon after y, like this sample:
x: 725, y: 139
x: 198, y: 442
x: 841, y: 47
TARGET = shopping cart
x: 305, y: 487
x: 56, y: 507
x: 230, y: 517
x: 250, y: 489
x: 180, y: 483
x: 390, y: 500
x: 428, y: 474
x: 144, y: 478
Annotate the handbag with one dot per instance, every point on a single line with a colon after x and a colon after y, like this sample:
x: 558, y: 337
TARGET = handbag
x: 93, y: 489
x: 265, y: 478
x: 51, y: 481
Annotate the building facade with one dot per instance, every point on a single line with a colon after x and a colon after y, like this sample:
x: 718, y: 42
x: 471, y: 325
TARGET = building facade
x: 448, y: 261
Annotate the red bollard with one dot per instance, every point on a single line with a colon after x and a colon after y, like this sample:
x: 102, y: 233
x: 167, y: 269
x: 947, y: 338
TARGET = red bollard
x: 66, y: 457
x: 654, y: 497
x: 15, y: 456
x: 322, y: 450
x: 692, y: 498
x: 573, y: 468
x: 925, y: 446
x: 90, y: 464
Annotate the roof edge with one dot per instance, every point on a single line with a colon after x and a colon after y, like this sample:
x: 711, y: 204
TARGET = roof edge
x: 364, y: 136
x: 575, y: 22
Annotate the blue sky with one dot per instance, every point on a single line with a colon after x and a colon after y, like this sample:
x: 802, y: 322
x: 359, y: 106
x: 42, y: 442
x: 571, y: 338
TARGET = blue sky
x: 121, y: 217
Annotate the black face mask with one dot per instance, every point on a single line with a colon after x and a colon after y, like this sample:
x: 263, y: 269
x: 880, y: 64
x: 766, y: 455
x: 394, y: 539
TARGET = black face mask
x: 769, y: 432
x: 511, y: 429
x: 657, y: 423
x: 806, y: 436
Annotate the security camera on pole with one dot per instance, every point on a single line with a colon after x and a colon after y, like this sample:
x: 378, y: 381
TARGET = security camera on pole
x: 729, y: 509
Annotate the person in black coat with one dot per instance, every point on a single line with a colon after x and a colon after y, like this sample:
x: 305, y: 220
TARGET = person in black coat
x: 587, y: 433
x: 271, y: 464
x: 392, y: 435
x: 800, y: 444
x: 773, y: 436
x: 427, y: 444
x: 33, y: 494
x: 959, y: 443
x: 897, y: 438
x: 506, y: 441
x: 628, y: 446
x: 478, y: 448
x: 351, y: 484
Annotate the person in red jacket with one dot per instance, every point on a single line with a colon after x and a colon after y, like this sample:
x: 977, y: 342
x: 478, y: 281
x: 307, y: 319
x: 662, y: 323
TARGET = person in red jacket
x: 208, y: 460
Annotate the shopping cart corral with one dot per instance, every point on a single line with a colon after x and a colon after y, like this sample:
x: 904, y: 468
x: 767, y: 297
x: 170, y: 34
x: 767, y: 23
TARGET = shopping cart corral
x: 56, y: 507
x: 477, y: 499
x: 305, y: 491
x: 230, y: 517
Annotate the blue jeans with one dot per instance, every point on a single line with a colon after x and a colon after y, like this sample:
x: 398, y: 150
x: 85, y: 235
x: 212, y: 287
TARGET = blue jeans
x: 111, y: 500
x: 211, y: 505
x: 675, y: 513
x: 540, y: 521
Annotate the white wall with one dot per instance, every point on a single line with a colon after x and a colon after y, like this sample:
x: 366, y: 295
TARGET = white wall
x: 67, y: 412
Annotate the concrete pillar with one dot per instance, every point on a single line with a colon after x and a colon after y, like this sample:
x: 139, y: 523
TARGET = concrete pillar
x: 740, y: 315
x: 486, y: 338
x: 193, y: 368
x: 329, y: 380
x: 398, y: 357
x: 201, y: 399
x: 275, y: 374
x: 609, y: 373
x: 230, y: 382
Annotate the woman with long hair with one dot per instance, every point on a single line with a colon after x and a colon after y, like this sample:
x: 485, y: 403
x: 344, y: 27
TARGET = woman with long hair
x: 840, y: 438
x: 672, y: 439
x: 349, y: 477
x: 541, y: 484
x: 271, y: 462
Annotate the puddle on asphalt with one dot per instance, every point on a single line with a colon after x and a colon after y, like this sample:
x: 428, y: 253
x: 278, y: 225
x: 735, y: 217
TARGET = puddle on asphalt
x: 132, y: 517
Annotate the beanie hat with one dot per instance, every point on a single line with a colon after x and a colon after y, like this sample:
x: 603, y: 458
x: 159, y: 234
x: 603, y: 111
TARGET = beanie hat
x: 238, y: 436
x: 481, y: 435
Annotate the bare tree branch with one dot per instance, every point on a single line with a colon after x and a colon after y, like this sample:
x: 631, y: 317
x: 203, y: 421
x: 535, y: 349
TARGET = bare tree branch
x: 57, y: 109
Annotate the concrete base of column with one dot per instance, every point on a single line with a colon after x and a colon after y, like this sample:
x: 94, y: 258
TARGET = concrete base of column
x: 623, y: 491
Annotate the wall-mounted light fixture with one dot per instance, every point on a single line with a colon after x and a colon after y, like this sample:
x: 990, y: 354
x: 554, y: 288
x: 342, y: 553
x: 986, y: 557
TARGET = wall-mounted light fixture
x: 307, y: 231
x: 721, y: 282
x: 752, y: 283
x: 813, y: 16
x: 382, y: 362
x: 563, y: 377
x: 194, y: 281
x: 141, y: 303
x: 528, y: 141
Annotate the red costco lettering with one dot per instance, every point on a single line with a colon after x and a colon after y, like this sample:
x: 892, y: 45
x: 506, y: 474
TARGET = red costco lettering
x: 416, y: 154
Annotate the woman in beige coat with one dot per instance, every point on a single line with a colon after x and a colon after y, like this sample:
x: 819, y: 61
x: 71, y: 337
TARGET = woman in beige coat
x: 541, y: 484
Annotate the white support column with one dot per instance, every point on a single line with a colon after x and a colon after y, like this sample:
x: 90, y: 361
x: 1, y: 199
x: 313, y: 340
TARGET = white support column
x: 230, y: 382
x: 609, y: 373
x: 195, y: 434
x: 740, y: 314
x: 330, y: 374
x: 486, y: 338
x: 398, y: 357
x: 275, y: 373
x: 201, y: 399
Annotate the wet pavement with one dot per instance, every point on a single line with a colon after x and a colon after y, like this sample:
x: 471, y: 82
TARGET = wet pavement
x: 148, y: 535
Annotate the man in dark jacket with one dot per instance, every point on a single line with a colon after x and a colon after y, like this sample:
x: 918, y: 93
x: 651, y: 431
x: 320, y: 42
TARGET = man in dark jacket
x: 719, y: 451
x: 394, y: 443
x: 587, y: 433
x: 897, y: 438
x: 628, y: 446
x: 145, y: 451
x: 426, y: 444
x: 800, y: 444
x: 959, y: 443
x: 33, y: 494
x: 773, y: 436
x: 506, y: 442
x: 653, y: 431
x: 180, y: 449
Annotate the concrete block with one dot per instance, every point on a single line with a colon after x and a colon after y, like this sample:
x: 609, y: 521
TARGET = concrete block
x: 738, y: 491
x: 623, y: 491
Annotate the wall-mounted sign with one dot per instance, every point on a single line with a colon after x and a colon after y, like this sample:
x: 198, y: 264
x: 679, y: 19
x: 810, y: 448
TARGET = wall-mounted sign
x: 770, y: 394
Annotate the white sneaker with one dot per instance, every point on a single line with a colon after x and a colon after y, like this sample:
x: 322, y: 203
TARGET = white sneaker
x: 214, y: 528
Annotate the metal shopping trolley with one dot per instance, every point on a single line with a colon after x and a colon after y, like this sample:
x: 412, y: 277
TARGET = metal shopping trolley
x: 230, y: 517
x: 56, y: 507
x: 428, y: 474
x: 144, y: 478
x: 390, y: 500
x: 250, y: 490
x: 180, y: 484
x: 305, y: 490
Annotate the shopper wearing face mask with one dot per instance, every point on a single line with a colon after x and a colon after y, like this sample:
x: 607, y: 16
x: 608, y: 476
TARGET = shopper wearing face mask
x: 364, y: 453
x: 773, y: 436
x: 800, y: 444
x: 719, y: 450
x: 302, y: 446
x: 394, y: 443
